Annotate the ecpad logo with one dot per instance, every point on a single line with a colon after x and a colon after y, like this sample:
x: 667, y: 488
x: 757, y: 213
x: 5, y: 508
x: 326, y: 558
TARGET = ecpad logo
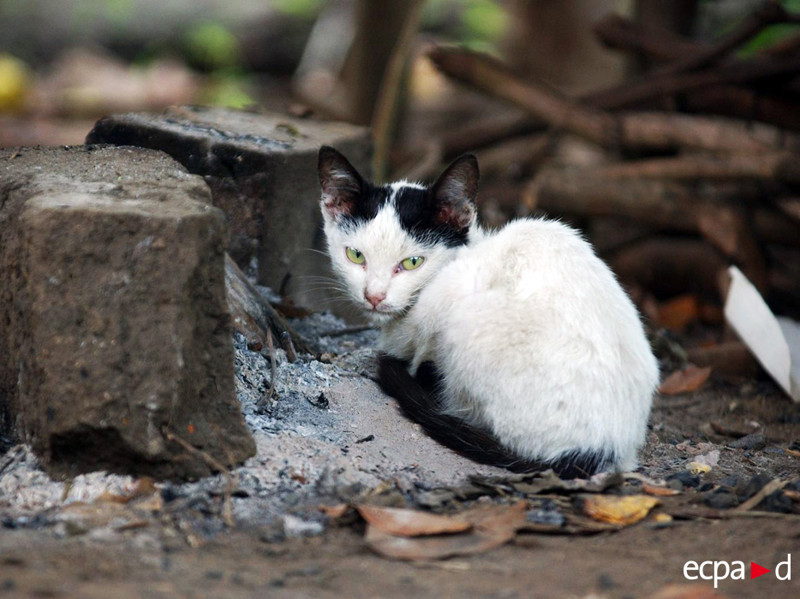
x: 722, y: 570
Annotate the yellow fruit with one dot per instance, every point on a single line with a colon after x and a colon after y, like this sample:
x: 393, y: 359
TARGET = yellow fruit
x: 14, y: 83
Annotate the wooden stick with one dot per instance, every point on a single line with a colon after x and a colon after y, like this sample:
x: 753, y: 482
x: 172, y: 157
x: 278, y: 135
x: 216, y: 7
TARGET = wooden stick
x: 769, y: 13
x: 629, y: 130
x: 654, y: 202
x: 659, y: 45
x: 781, y: 166
x: 383, y: 120
x: 668, y: 84
x: 252, y: 315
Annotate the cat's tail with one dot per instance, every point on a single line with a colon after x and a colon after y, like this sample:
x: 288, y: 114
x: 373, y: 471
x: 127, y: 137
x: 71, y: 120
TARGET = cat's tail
x: 420, y: 401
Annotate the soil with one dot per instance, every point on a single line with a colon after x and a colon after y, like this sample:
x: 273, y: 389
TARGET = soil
x: 329, y: 436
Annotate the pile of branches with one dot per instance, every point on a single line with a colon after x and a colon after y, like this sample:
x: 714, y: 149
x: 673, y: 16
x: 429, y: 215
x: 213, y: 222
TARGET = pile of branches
x: 702, y: 152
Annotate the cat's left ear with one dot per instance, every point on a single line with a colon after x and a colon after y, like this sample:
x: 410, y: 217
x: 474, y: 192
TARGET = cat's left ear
x: 341, y: 184
x: 455, y: 192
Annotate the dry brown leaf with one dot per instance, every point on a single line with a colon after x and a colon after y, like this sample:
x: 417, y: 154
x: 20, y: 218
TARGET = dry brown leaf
x: 793, y: 452
x: 677, y: 313
x: 493, y: 526
x: 622, y: 510
x: 690, y: 378
x: 410, y: 523
x: 659, y: 491
x: 431, y: 547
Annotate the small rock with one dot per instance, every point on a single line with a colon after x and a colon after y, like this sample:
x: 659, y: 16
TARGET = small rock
x: 685, y: 478
x: 721, y: 499
x: 294, y: 527
x: 753, y: 486
x: 754, y: 441
x: 550, y: 517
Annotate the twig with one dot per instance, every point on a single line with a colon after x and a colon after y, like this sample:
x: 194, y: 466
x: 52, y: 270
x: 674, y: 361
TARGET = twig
x: 783, y: 166
x: 768, y: 489
x: 659, y: 85
x: 383, y: 119
x: 273, y: 362
x: 636, y: 130
x: 214, y: 464
x: 769, y: 13
x: 252, y: 315
x: 661, y: 46
x: 288, y: 347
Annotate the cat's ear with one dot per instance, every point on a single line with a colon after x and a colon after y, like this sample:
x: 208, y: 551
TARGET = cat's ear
x: 341, y: 184
x: 455, y: 192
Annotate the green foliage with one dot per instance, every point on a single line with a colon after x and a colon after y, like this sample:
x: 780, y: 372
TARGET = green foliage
x: 769, y: 37
x: 484, y: 20
x: 228, y: 88
x: 212, y: 46
x: 306, y: 9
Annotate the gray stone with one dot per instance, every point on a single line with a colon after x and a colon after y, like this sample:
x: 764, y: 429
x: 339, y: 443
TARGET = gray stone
x: 113, y: 315
x: 262, y: 170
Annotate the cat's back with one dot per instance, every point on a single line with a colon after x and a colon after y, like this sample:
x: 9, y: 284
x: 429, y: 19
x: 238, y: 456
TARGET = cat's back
x: 532, y: 258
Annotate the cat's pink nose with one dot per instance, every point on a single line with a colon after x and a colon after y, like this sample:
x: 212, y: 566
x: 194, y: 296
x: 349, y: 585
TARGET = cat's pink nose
x: 375, y: 298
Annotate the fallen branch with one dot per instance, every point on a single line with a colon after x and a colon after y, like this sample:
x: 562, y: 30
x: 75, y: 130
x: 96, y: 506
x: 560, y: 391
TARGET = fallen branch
x: 639, y: 130
x: 384, y: 116
x: 252, y: 315
x: 781, y: 166
x: 663, y: 46
x: 654, y: 202
x: 660, y: 85
x: 770, y: 13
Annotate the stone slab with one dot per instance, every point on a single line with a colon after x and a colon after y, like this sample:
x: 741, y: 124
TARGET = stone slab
x: 262, y: 170
x: 113, y: 314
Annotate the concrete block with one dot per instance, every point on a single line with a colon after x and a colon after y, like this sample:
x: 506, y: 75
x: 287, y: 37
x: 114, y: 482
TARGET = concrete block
x: 113, y: 314
x: 262, y: 170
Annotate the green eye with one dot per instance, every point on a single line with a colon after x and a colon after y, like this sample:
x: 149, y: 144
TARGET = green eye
x: 355, y: 256
x: 412, y: 262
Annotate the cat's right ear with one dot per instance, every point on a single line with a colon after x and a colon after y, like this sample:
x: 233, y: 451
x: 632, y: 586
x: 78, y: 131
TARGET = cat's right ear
x: 455, y: 192
x: 341, y: 184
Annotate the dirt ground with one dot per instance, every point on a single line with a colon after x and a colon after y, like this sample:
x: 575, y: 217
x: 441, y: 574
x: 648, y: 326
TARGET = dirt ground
x: 169, y: 556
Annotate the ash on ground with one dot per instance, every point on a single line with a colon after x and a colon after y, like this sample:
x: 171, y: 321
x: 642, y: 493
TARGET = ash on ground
x: 325, y: 433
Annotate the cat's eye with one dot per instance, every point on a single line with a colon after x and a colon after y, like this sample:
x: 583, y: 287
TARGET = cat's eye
x: 354, y: 256
x: 412, y: 262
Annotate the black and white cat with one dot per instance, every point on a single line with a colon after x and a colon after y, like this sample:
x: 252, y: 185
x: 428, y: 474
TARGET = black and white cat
x: 515, y: 347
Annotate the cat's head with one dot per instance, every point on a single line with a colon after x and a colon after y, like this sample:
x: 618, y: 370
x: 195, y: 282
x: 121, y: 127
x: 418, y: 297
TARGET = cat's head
x: 386, y: 242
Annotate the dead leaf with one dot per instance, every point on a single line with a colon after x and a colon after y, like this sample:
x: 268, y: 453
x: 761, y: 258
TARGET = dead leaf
x: 143, y: 487
x: 690, y: 378
x: 793, y: 452
x: 432, y: 547
x: 491, y: 526
x: 659, y: 491
x: 677, y: 313
x: 622, y: 510
x: 410, y: 523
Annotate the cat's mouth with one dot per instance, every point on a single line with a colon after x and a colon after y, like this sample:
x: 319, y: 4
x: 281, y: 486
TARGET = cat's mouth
x: 381, y: 313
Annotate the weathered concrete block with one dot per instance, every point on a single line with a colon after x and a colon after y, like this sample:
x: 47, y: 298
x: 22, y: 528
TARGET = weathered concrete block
x: 113, y: 314
x: 262, y: 170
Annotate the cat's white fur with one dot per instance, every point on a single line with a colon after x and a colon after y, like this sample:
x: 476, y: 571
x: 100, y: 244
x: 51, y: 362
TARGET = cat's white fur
x: 531, y: 332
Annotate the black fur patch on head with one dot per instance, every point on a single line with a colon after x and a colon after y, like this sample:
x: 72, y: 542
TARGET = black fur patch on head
x: 442, y: 213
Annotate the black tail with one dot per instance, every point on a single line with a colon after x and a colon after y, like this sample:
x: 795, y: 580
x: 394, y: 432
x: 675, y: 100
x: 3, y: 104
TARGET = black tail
x: 419, y: 400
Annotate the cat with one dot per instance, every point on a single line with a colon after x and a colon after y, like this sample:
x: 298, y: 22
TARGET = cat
x: 516, y: 347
